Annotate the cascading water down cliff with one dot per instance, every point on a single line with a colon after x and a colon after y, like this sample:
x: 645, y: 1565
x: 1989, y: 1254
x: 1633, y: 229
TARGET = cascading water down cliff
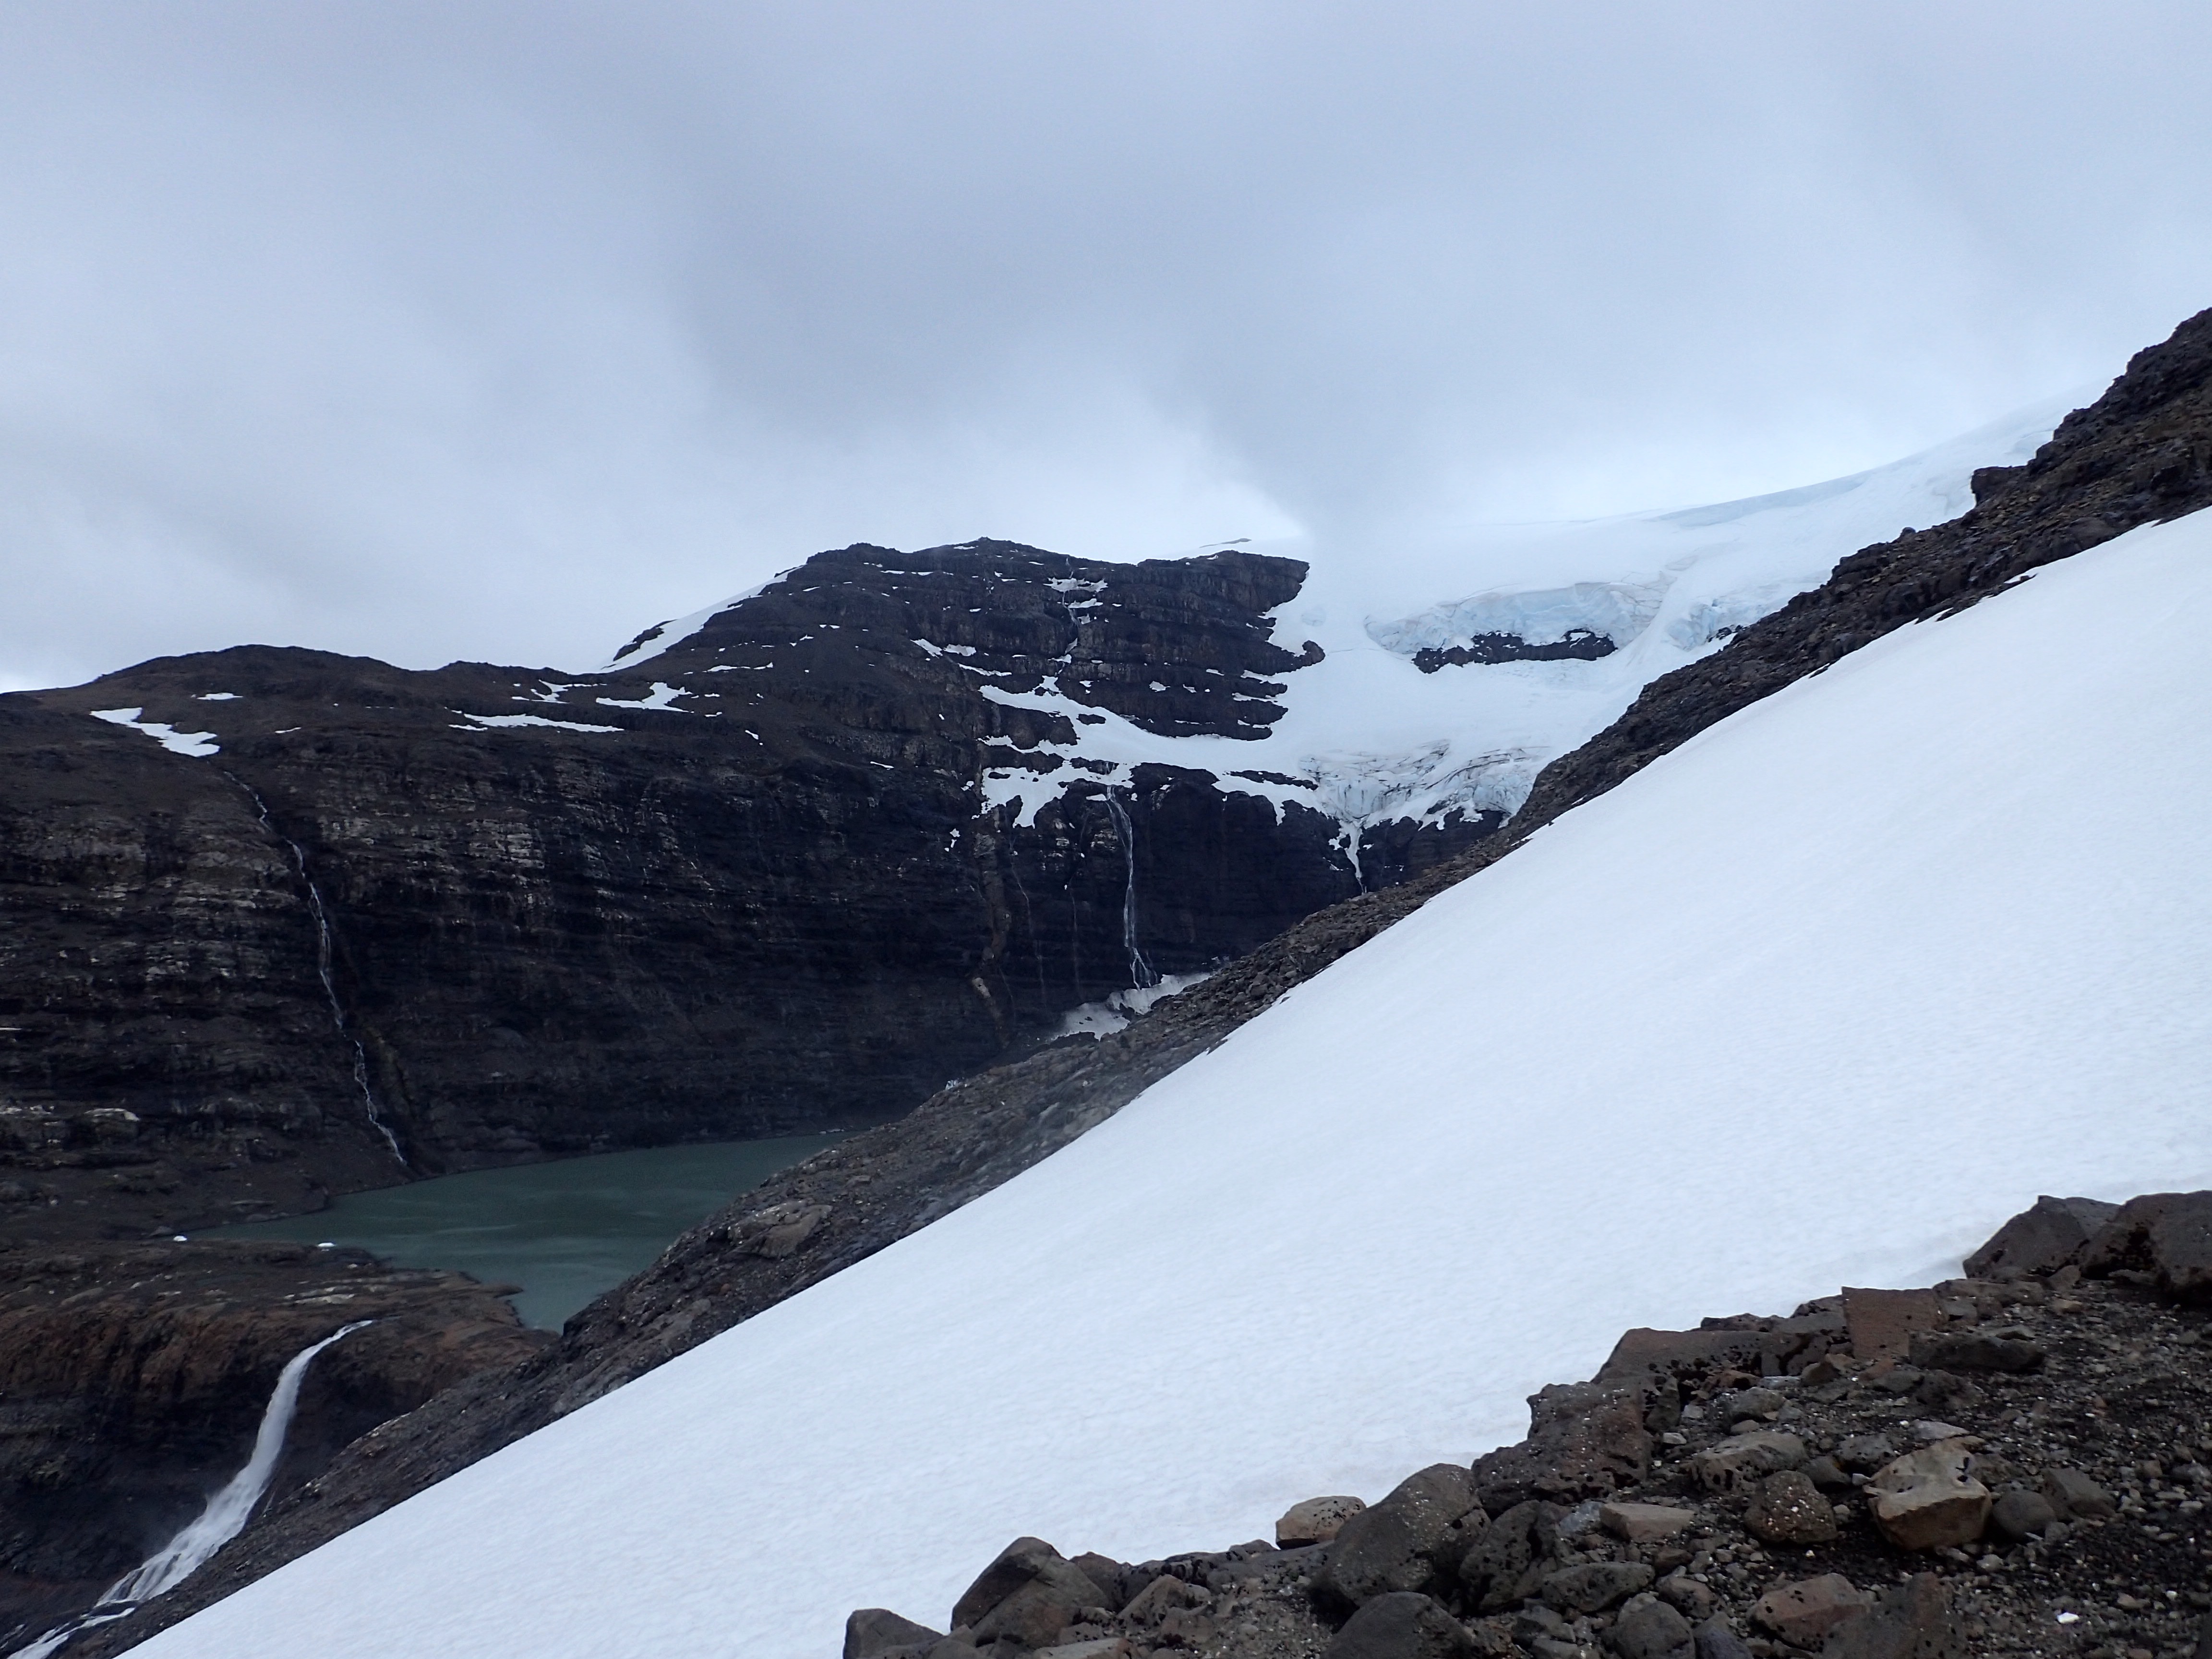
x: 222, y: 1520
x: 324, y: 958
x: 1141, y: 976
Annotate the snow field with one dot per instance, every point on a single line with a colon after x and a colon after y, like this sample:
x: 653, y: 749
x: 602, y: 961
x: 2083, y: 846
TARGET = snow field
x: 1820, y: 998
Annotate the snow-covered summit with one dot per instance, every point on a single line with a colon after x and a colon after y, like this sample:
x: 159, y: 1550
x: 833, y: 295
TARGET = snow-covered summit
x: 1814, y: 998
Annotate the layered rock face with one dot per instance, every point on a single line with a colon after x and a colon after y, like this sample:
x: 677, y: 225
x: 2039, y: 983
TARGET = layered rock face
x: 277, y: 921
x: 133, y: 1378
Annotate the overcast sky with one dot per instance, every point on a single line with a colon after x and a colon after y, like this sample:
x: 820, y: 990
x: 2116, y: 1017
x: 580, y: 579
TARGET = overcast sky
x: 446, y: 330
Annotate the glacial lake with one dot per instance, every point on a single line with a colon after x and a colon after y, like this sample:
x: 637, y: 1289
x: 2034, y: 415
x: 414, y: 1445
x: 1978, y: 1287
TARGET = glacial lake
x: 564, y: 1231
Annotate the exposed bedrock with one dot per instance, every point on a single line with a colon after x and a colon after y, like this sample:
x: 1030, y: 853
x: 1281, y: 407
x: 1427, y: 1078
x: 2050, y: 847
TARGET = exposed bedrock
x: 750, y: 885
x: 132, y: 1380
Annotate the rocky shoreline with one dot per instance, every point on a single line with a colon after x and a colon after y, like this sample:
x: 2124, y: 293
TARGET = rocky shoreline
x: 2015, y: 1462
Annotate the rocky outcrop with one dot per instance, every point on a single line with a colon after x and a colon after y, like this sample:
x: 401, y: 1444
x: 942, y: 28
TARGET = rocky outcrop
x: 132, y: 1381
x: 280, y: 922
x: 1883, y: 1537
x: 879, y: 1186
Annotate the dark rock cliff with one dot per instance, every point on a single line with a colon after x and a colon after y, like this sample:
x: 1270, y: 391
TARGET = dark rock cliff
x: 749, y: 882
x: 133, y: 1377
x: 845, y: 1203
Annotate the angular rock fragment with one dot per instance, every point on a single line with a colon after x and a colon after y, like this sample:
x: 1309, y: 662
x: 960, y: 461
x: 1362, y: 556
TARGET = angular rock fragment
x: 2075, y: 1496
x: 2022, y: 1514
x: 1407, y: 1541
x: 1403, y: 1625
x: 1927, y: 1499
x: 2166, y: 1235
x: 1744, y: 1458
x: 1914, y: 1620
x: 1882, y: 1321
x: 1584, y: 1441
x: 1595, y: 1585
x: 1789, y: 1509
x: 1030, y: 1594
x: 1507, y: 1562
x: 1804, y: 1612
x: 1970, y: 1351
x: 1315, y: 1520
x: 2041, y: 1240
x: 872, y: 1630
x: 1717, y: 1641
x: 1644, y: 1523
x: 1648, y: 1628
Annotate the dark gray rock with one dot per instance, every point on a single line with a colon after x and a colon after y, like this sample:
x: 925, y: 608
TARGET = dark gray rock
x: 1507, y: 1563
x: 872, y: 1631
x: 2022, y: 1514
x: 1403, y: 1625
x: 1972, y: 1351
x: 1912, y: 1620
x: 1863, y: 1454
x: 1595, y: 1585
x: 2165, y: 1235
x: 1410, y: 1540
x: 2041, y: 1240
x: 1828, y: 1474
x: 1029, y: 1594
x: 1717, y: 1641
x: 2075, y: 1496
x: 1649, y: 1629
x: 1584, y: 1441
x: 1789, y: 1509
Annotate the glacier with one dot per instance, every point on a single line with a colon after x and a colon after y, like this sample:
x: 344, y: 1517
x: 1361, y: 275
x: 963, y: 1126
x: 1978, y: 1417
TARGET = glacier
x: 1820, y: 997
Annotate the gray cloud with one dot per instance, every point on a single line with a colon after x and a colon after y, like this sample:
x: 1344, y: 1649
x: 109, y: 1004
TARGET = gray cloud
x: 431, y: 331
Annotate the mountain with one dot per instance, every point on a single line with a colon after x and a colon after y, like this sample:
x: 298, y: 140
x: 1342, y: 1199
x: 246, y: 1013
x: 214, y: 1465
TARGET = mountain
x: 275, y: 923
x: 1797, y: 974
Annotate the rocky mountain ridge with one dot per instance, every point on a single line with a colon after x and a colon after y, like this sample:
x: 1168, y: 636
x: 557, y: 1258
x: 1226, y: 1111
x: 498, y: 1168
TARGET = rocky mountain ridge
x: 2012, y: 1462
x: 279, y: 923
x: 877, y: 1187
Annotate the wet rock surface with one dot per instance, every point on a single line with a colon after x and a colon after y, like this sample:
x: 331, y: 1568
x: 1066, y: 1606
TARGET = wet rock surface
x: 750, y: 886
x: 2096, y: 1544
x: 132, y: 1381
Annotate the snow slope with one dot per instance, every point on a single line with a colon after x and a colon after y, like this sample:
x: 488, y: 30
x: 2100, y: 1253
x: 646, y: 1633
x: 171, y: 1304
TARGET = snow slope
x: 1371, y: 738
x: 1819, y: 998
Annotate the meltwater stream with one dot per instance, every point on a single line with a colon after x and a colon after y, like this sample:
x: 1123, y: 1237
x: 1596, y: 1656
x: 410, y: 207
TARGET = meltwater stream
x: 223, y: 1518
x: 323, y: 967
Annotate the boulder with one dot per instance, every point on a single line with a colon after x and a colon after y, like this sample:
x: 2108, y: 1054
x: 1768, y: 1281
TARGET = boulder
x: 2076, y: 1497
x: 2166, y: 1235
x: 1508, y: 1561
x: 1595, y: 1585
x: 2021, y: 1514
x: 1407, y: 1541
x: 872, y: 1630
x: 1030, y: 1594
x: 1789, y: 1509
x: 1863, y: 1454
x: 1970, y: 1351
x: 1717, y: 1641
x: 1164, y: 1596
x: 1106, y: 1647
x: 1584, y: 1441
x: 2041, y: 1240
x: 1743, y: 1458
x: 1315, y: 1521
x: 1402, y: 1625
x: 1649, y: 1629
x: 1913, y: 1620
x: 1802, y: 1613
x: 1927, y: 1499
x: 1111, y: 1577
x: 1644, y: 1523
x: 1882, y: 1321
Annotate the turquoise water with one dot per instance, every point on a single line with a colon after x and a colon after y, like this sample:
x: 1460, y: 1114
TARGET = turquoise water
x: 564, y: 1231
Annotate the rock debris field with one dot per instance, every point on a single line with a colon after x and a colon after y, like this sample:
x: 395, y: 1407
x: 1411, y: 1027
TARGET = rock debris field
x: 2012, y: 1462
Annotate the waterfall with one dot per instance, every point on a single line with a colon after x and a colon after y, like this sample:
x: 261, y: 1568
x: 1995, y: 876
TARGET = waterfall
x: 1140, y: 971
x: 323, y: 970
x: 222, y: 1520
